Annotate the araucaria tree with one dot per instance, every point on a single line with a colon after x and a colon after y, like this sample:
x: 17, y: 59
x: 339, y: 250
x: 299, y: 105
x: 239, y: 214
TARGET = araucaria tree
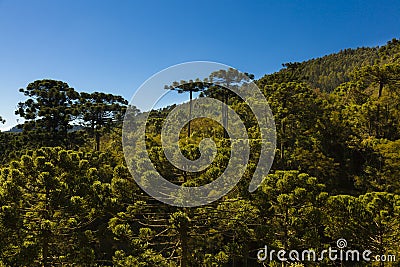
x: 48, y: 111
x: 100, y: 112
x: 191, y: 87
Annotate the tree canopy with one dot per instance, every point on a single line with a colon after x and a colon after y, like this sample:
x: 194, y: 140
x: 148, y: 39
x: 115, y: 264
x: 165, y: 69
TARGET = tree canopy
x: 68, y: 196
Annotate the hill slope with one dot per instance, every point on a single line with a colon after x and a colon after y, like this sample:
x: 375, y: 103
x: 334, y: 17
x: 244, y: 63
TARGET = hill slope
x: 328, y: 72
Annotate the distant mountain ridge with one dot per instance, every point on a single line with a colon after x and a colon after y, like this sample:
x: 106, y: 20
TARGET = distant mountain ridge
x: 16, y: 129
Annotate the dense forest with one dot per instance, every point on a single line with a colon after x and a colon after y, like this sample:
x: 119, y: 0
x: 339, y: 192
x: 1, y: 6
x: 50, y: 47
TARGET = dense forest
x: 67, y: 196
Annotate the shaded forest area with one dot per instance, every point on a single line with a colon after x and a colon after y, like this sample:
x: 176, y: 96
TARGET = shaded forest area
x: 67, y: 197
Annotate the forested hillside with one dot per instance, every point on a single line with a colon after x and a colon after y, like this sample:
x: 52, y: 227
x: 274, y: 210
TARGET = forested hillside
x: 328, y: 72
x: 68, y: 197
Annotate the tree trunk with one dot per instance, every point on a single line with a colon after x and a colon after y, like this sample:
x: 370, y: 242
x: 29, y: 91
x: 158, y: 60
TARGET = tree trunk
x: 225, y: 113
x: 381, y: 84
x: 223, y: 116
x: 97, y: 140
x: 190, y: 111
x: 283, y: 144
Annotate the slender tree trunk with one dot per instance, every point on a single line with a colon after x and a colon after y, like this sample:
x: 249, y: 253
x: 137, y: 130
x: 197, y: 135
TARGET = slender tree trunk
x: 223, y: 116
x: 224, y: 106
x: 97, y: 140
x: 226, y: 115
x: 190, y: 111
x: 381, y: 84
x: 283, y: 144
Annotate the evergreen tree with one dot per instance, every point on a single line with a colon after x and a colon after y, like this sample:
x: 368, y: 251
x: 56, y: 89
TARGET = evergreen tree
x: 100, y: 112
x: 48, y: 111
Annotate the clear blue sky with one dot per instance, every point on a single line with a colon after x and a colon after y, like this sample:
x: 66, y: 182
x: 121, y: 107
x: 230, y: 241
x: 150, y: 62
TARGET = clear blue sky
x: 114, y: 46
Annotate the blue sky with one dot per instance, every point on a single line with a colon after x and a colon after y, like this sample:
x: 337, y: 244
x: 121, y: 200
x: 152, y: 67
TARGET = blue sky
x: 114, y: 46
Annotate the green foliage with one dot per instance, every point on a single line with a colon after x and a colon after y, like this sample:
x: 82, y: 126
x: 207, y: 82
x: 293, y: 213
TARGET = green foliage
x: 101, y: 112
x: 53, y: 112
x: 49, y: 110
x: 369, y: 221
x: 51, y: 201
x: 292, y: 204
x: 335, y: 174
x: 328, y: 72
